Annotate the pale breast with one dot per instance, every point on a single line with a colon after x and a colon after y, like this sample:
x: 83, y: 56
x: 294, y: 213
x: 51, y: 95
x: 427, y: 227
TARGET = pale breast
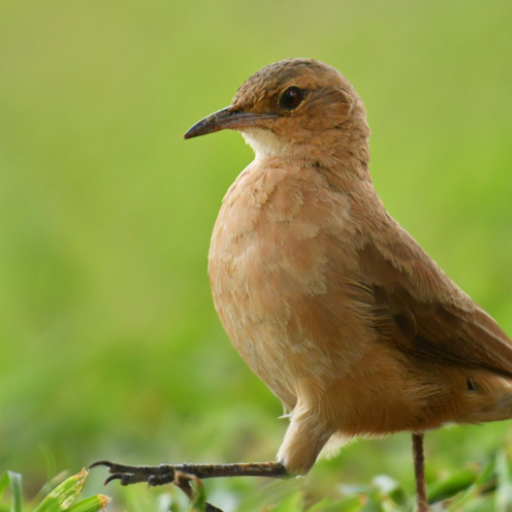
x: 282, y: 267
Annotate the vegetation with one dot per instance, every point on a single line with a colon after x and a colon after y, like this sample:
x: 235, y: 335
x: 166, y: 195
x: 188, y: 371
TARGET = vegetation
x: 109, y: 343
x: 61, y: 499
x: 479, y: 489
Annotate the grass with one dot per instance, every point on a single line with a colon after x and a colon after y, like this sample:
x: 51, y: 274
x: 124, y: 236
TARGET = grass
x: 478, y: 489
x: 61, y: 499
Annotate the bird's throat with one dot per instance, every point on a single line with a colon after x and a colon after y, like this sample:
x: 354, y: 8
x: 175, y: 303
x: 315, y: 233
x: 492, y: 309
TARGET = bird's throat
x: 264, y: 142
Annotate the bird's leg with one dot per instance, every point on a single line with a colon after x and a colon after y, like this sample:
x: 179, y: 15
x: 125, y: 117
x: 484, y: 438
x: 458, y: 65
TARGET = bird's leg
x: 304, y: 439
x: 419, y: 471
x: 182, y: 474
x: 166, y: 473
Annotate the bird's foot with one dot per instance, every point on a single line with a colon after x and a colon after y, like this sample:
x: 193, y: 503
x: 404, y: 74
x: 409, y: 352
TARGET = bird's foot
x: 158, y: 475
x: 152, y: 475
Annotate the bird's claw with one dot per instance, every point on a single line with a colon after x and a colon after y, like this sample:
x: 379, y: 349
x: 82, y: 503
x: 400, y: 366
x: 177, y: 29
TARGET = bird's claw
x: 127, y: 475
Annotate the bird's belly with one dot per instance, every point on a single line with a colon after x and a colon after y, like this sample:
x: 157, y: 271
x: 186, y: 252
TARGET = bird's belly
x: 289, y: 319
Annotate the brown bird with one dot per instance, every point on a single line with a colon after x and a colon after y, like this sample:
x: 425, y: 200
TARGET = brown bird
x: 326, y: 297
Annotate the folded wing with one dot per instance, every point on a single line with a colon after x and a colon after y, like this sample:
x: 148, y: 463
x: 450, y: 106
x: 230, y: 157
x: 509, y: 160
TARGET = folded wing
x: 419, y: 309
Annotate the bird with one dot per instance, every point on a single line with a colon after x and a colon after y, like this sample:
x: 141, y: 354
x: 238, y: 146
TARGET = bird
x: 331, y: 303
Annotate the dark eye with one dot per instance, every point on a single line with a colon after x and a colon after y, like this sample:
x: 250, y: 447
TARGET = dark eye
x: 291, y: 98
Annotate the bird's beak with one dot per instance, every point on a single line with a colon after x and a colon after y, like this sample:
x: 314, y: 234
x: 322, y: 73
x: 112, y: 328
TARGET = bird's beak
x: 228, y: 117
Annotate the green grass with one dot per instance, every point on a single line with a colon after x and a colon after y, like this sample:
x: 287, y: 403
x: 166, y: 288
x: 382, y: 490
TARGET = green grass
x: 478, y: 489
x: 109, y: 343
x: 62, y: 497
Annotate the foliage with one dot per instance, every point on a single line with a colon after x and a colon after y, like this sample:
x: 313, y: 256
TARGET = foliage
x: 476, y: 489
x: 61, y: 499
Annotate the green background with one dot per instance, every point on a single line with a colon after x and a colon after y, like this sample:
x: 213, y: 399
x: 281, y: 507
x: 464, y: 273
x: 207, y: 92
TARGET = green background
x: 109, y: 343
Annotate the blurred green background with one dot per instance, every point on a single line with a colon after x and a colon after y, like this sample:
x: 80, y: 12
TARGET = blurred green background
x: 109, y: 343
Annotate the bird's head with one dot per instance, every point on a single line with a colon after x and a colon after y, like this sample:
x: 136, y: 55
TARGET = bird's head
x: 294, y: 107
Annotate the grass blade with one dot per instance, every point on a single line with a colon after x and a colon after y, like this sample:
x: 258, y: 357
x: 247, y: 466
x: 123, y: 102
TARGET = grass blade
x: 92, y: 504
x: 16, y: 494
x: 64, y: 494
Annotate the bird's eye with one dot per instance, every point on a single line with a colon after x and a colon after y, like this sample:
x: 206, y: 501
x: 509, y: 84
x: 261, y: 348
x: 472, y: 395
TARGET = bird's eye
x: 291, y: 98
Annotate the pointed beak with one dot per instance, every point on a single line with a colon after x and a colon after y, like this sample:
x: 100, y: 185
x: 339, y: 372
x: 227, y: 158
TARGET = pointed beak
x: 228, y: 117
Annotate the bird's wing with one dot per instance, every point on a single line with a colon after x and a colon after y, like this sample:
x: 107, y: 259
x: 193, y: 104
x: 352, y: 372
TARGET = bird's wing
x: 418, y: 308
